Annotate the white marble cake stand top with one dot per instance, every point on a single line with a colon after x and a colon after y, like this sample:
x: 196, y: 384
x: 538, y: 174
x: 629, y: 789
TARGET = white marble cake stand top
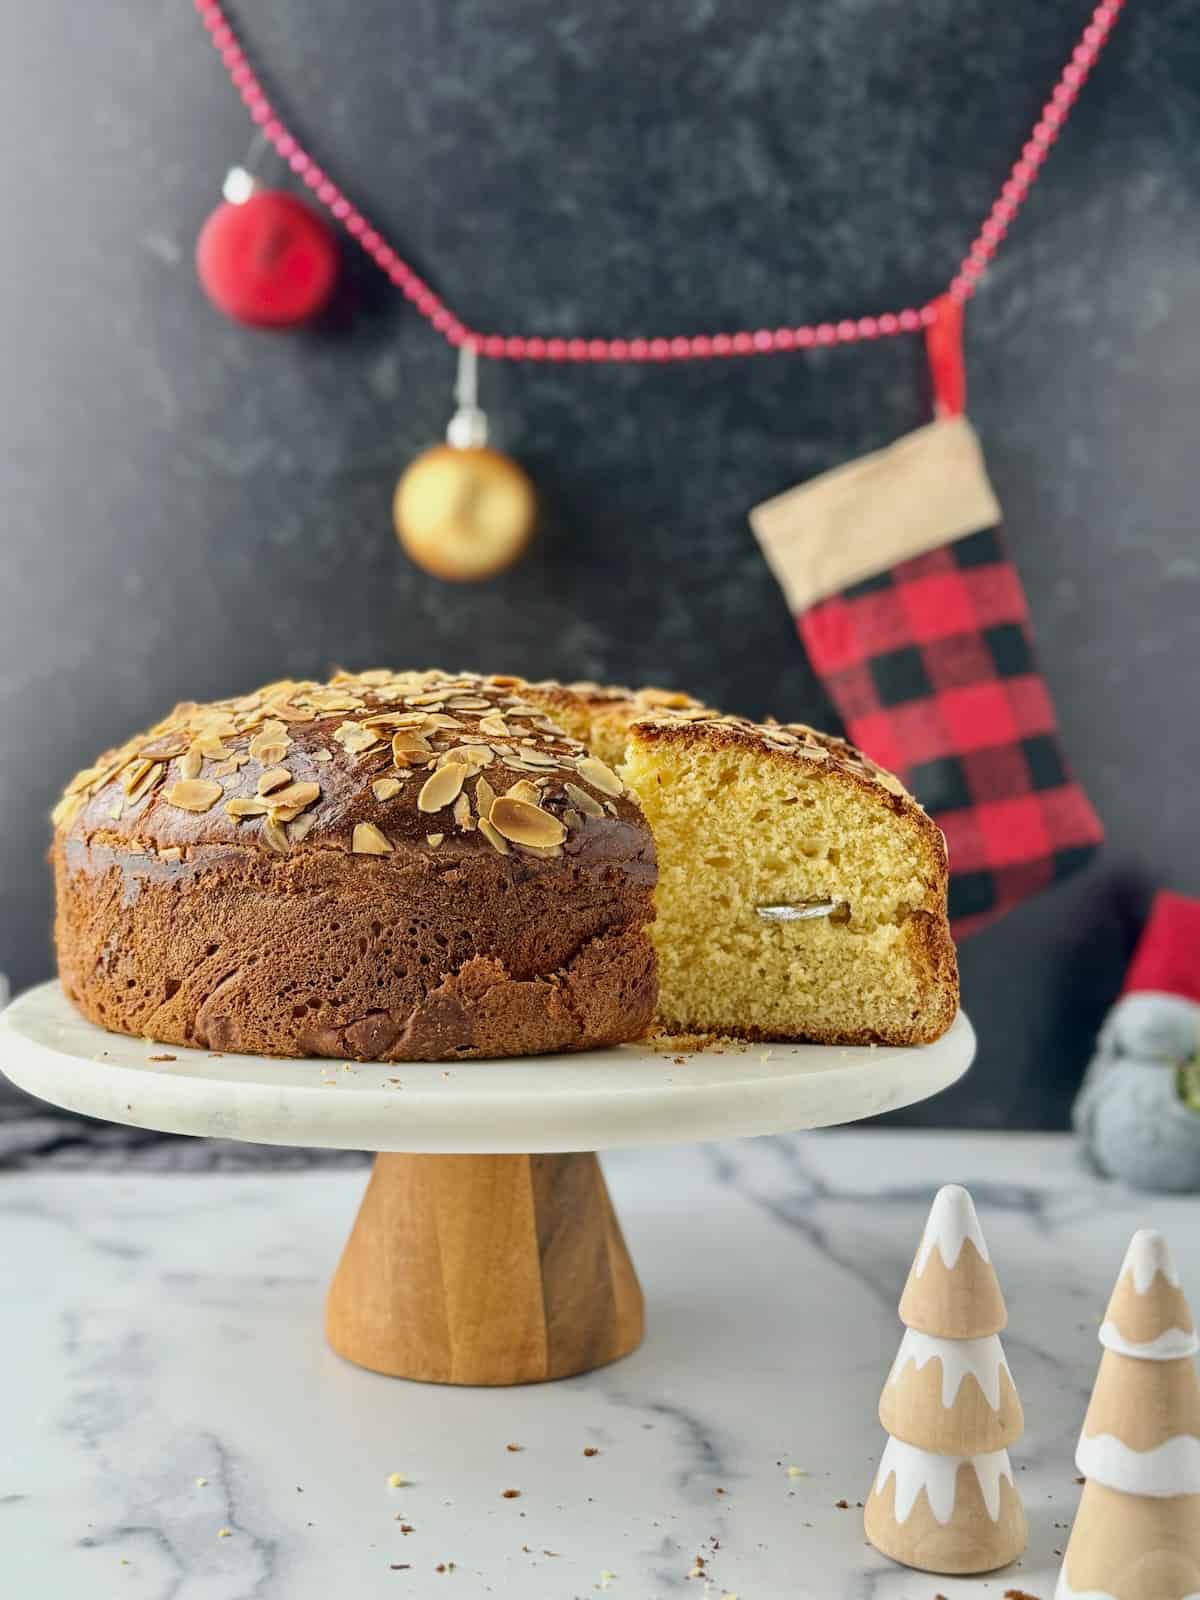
x: 628, y: 1095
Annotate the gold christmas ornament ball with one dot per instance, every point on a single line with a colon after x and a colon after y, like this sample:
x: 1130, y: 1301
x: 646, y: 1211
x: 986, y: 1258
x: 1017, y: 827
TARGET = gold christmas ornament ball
x: 464, y: 514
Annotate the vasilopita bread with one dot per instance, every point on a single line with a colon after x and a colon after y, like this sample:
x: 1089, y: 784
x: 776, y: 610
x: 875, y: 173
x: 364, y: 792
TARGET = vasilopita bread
x: 424, y: 866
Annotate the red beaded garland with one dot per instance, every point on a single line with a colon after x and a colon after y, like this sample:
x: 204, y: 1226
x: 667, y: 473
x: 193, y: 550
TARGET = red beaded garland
x: 759, y: 341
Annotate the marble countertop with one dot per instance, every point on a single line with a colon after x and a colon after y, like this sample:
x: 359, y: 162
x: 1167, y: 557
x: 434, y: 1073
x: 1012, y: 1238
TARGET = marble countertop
x: 164, y: 1379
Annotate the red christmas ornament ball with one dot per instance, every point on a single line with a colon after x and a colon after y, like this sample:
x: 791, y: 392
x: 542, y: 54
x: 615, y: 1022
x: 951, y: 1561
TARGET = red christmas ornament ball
x: 268, y: 261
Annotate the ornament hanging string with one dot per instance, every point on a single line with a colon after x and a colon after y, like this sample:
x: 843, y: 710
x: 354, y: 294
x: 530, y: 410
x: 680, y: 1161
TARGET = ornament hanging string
x: 680, y: 347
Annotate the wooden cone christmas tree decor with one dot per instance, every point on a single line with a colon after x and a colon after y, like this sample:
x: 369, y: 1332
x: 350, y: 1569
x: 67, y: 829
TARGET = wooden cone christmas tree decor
x: 944, y: 1499
x: 1137, y: 1531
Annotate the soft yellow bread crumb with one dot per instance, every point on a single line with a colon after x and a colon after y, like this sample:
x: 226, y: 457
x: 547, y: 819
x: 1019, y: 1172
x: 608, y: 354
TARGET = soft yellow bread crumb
x: 745, y: 816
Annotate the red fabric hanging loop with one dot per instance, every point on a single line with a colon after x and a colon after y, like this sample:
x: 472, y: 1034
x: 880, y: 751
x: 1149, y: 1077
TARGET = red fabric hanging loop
x: 943, y: 346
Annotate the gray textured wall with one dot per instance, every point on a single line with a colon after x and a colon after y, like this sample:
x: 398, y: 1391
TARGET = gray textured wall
x: 190, y: 508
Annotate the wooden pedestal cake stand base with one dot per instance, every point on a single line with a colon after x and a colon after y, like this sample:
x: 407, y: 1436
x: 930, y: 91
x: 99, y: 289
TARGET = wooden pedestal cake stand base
x: 486, y: 1250
x: 485, y: 1270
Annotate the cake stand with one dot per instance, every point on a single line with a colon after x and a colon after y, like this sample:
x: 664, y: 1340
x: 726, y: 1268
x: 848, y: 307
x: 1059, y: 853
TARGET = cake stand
x: 486, y: 1250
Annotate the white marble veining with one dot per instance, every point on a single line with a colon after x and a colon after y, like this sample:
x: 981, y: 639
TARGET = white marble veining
x: 162, y: 1329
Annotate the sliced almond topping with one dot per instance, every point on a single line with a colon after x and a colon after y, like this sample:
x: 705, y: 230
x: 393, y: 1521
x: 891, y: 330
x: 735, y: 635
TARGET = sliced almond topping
x: 270, y: 754
x: 353, y: 737
x: 540, y: 758
x: 368, y: 841
x: 299, y: 828
x: 524, y: 790
x: 194, y: 794
x: 599, y: 776
x: 322, y: 756
x: 270, y: 743
x: 190, y: 762
x: 224, y: 768
x: 216, y: 725
x: 385, y: 788
x: 461, y: 703
x: 332, y: 700
x: 209, y: 744
x: 67, y: 809
x: 273, y: 778
x: 410, y: 748
x: 444, y: 786
x: 296, y: 795
x: 583, y: 801
x: 462, y: 813
x: 527, y: 824
x: 496, y: 725
x: 171, y: 853
x: 472, y: 755
x: 247, y: 807
x: 485, y: 796
x: 274, y: 836
x: 671, y: 699
x: 434, y: 839
x: 493, y: 837
x: 117, y: 807
x: 153, y: 774
x: 86, y: 779
x: 130, y: 778
x: 572, y: 818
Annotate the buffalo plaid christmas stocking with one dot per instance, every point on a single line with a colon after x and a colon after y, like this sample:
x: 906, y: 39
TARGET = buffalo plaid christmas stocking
x: 912, y: 613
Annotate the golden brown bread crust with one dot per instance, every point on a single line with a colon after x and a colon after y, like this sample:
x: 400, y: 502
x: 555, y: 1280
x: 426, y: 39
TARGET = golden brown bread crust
x: 338, y: 917
x: 926, y: 927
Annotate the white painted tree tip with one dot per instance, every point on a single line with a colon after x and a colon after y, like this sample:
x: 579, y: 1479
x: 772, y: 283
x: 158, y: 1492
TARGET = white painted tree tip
x: 1148, y: 1317
x: 1148, y: 1255
x: 952, y: 1221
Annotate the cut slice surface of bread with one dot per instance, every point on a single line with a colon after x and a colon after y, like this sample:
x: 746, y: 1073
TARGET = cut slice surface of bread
x: 747, y: 816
